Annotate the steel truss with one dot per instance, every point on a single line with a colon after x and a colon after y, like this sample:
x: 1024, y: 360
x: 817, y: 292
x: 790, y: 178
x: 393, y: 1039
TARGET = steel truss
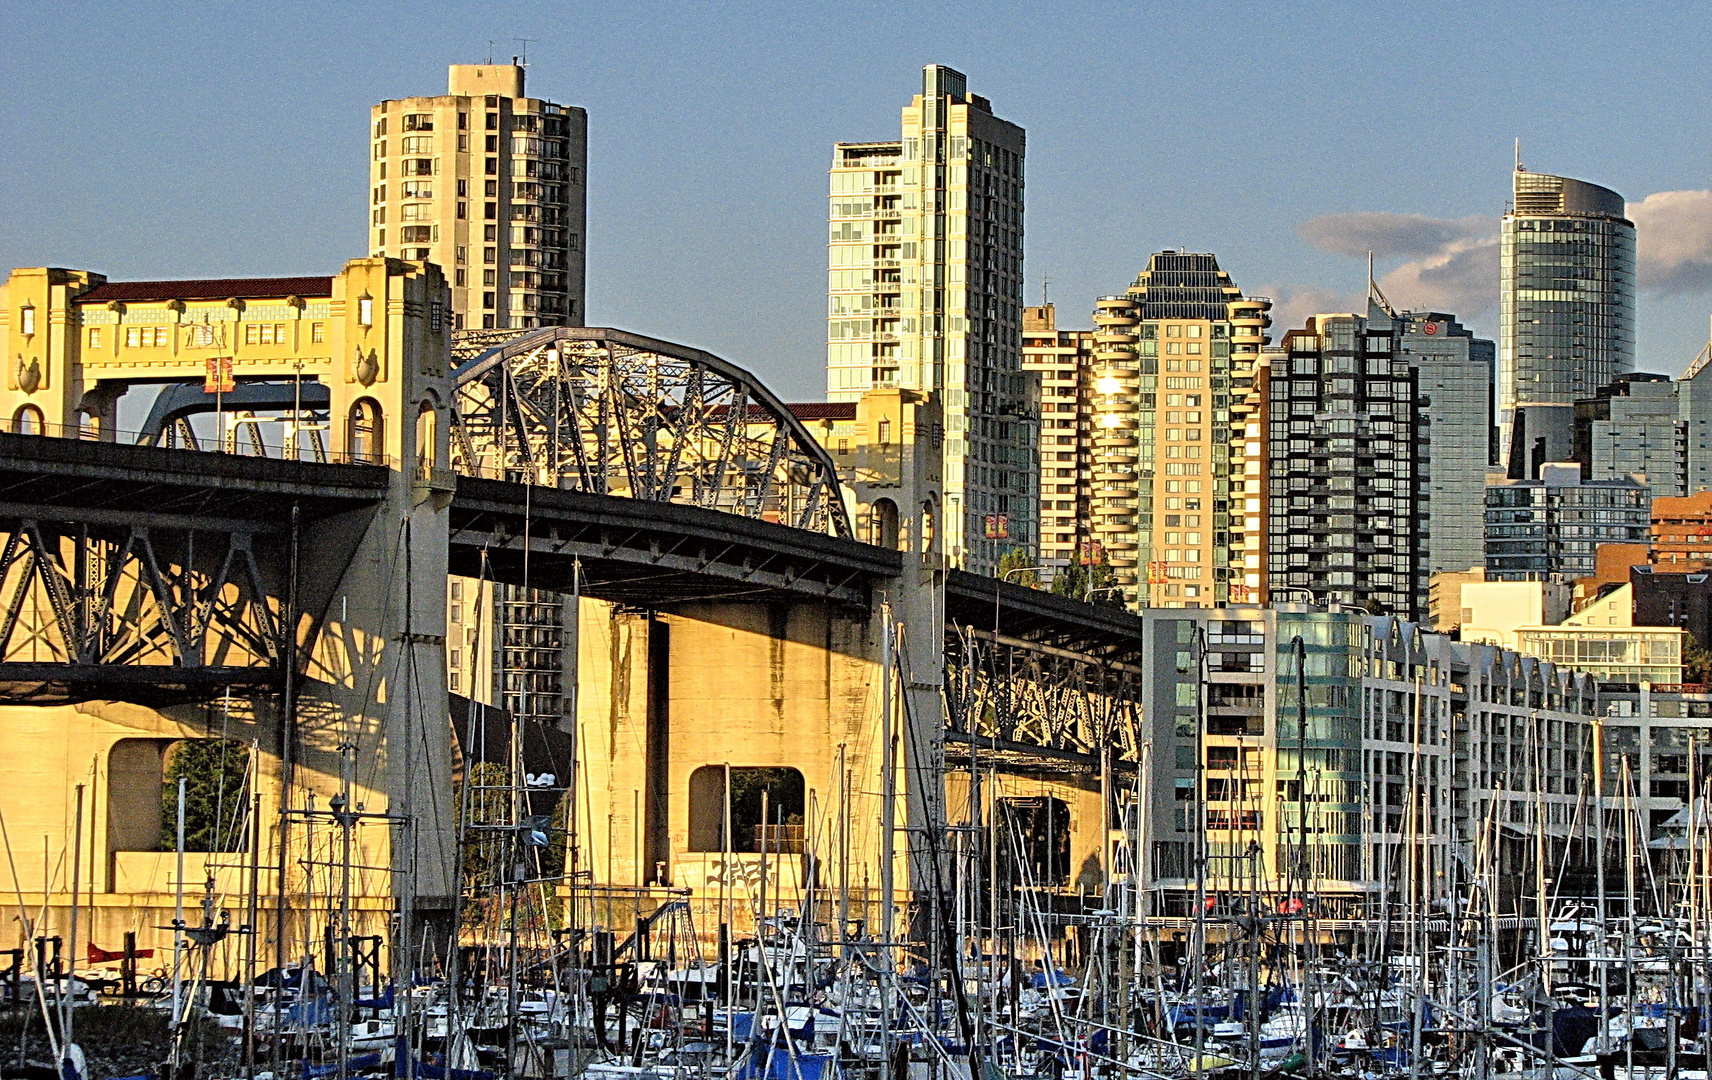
x: 102, y: 602
x: 612, y: 413
x: 1004, y: 693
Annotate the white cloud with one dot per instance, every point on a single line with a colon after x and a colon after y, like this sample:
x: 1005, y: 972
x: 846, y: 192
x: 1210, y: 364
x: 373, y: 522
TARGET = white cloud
x: 1389, y: 236
x: 1459, y: 279
x: 1293, y: 304
x: 1673, y: 241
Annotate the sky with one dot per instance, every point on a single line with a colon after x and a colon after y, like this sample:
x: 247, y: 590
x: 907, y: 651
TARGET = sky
x: 229, y: 139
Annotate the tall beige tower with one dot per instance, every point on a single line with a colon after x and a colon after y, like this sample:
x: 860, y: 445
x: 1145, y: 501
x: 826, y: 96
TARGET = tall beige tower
x: 1173, y: 378
x: 925, y: 293
x: 489, y: 184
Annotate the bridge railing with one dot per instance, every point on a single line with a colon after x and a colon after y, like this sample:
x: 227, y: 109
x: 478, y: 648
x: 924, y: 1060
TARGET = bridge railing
x: 235, y: 444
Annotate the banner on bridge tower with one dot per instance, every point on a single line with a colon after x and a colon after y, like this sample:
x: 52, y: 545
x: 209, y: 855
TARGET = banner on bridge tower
x: 219, y: 379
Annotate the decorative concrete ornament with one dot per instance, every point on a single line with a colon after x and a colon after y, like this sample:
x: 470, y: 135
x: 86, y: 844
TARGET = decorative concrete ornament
x: 368, y: 367
x: 29, y: 374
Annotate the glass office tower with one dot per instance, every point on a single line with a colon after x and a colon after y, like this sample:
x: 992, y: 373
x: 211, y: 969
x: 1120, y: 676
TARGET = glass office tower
x: 1567, y: 320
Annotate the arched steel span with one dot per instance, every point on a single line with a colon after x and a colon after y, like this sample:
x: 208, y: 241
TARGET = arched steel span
x: 613, y: 413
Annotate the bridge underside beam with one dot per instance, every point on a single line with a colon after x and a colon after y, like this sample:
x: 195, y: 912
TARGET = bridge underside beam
x: 153, y: 685
x: 1023, y: 759
x: 650, y: 554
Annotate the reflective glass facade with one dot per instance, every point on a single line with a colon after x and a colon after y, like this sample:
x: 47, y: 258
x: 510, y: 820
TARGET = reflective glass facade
x: 1567, y: 316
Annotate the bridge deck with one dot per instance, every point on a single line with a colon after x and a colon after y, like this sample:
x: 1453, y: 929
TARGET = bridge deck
x: 114, y: 483
x: 633, y: 551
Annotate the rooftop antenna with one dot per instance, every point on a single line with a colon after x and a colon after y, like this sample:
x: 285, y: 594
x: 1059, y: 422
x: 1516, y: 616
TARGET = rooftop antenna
x: 489, y: 51
x: 1044, y: 282
x: 523, y: 58
x: 1519, y: 155
x: 1374, y: 294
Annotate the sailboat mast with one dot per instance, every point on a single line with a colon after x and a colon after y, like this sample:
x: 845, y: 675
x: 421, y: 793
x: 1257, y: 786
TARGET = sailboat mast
x: 888, y: 825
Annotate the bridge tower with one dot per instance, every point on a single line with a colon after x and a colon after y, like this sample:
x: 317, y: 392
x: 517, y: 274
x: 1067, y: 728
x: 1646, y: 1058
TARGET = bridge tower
x: 326, y: 653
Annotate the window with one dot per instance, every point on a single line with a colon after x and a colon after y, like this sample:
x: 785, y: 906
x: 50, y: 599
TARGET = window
x: 95, y: 337
x: 719, y: 794
x: 264, y: 334
x: 420, y: 144
x: 146, y: 337
x: 318, y: 333
x: 415, y: 189
x: 420, y: 121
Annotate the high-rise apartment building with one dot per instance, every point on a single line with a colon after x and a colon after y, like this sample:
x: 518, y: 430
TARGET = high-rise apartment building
x: 925, y: 293
x: 1567, y: 294
x: 1550, y: 529
x: 1173, y: 371
x: 489, y: 184
x: 1454, y: 373
x: 1634, y: 427
x: 1349, y: 496
x: 1062, y: 362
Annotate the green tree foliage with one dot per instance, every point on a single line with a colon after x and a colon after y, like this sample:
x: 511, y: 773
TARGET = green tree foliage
x: 1696, y: 661
x: 1094, y: 582
x: 492, y: 853
x: 1018, y: 559
x: 216, y: 795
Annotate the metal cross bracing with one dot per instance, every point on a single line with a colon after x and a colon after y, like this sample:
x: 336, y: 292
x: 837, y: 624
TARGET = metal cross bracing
x: 1040, y: 707
x: 168, y: 613
x: 612, y: 413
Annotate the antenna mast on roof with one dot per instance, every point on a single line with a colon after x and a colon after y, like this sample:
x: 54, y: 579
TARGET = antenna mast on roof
x: 1374, y: 295
x: 1519, y: 155
x: 522, y: 59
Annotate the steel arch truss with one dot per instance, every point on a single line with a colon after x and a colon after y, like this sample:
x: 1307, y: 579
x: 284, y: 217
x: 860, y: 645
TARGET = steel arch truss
x: 1007, y: 695
x: 611, y: 413
x: 166, y: 612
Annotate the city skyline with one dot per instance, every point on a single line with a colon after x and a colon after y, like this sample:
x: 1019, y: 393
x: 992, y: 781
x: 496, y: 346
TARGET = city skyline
x: 692, y: 180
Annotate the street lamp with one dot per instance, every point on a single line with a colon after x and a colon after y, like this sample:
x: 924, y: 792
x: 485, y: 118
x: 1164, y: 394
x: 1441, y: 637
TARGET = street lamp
x: 1005, y: 577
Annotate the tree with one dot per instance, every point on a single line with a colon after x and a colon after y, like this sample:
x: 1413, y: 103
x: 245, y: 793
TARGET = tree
x: 1696, y: 660
x: 1023, y: 565
x: 1095, y: 582
x: 216, y: 795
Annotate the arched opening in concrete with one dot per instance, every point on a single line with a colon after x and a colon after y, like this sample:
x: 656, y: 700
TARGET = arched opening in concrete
x: 366, y: 436
x: 427, y: 452
x: 216, y: 794
x: 134, y: 771
x: 28, y: 420
x: 929, y: 526
x: 780, y: 831
x: 883, y: 524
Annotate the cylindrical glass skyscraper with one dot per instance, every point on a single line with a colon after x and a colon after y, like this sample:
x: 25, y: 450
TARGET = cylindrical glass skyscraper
x: 1567, y: 320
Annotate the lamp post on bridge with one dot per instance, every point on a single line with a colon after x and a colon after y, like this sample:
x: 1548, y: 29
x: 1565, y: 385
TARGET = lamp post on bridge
x: 1006, y: 577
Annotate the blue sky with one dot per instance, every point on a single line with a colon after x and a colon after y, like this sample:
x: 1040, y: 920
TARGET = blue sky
x: 228, y: 139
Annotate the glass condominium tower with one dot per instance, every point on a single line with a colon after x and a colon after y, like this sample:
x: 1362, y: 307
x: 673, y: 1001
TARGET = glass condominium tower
x: 925, y: 293
x: 1567, y: 314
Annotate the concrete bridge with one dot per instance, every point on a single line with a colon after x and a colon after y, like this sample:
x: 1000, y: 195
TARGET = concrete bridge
x: 279, y: 563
